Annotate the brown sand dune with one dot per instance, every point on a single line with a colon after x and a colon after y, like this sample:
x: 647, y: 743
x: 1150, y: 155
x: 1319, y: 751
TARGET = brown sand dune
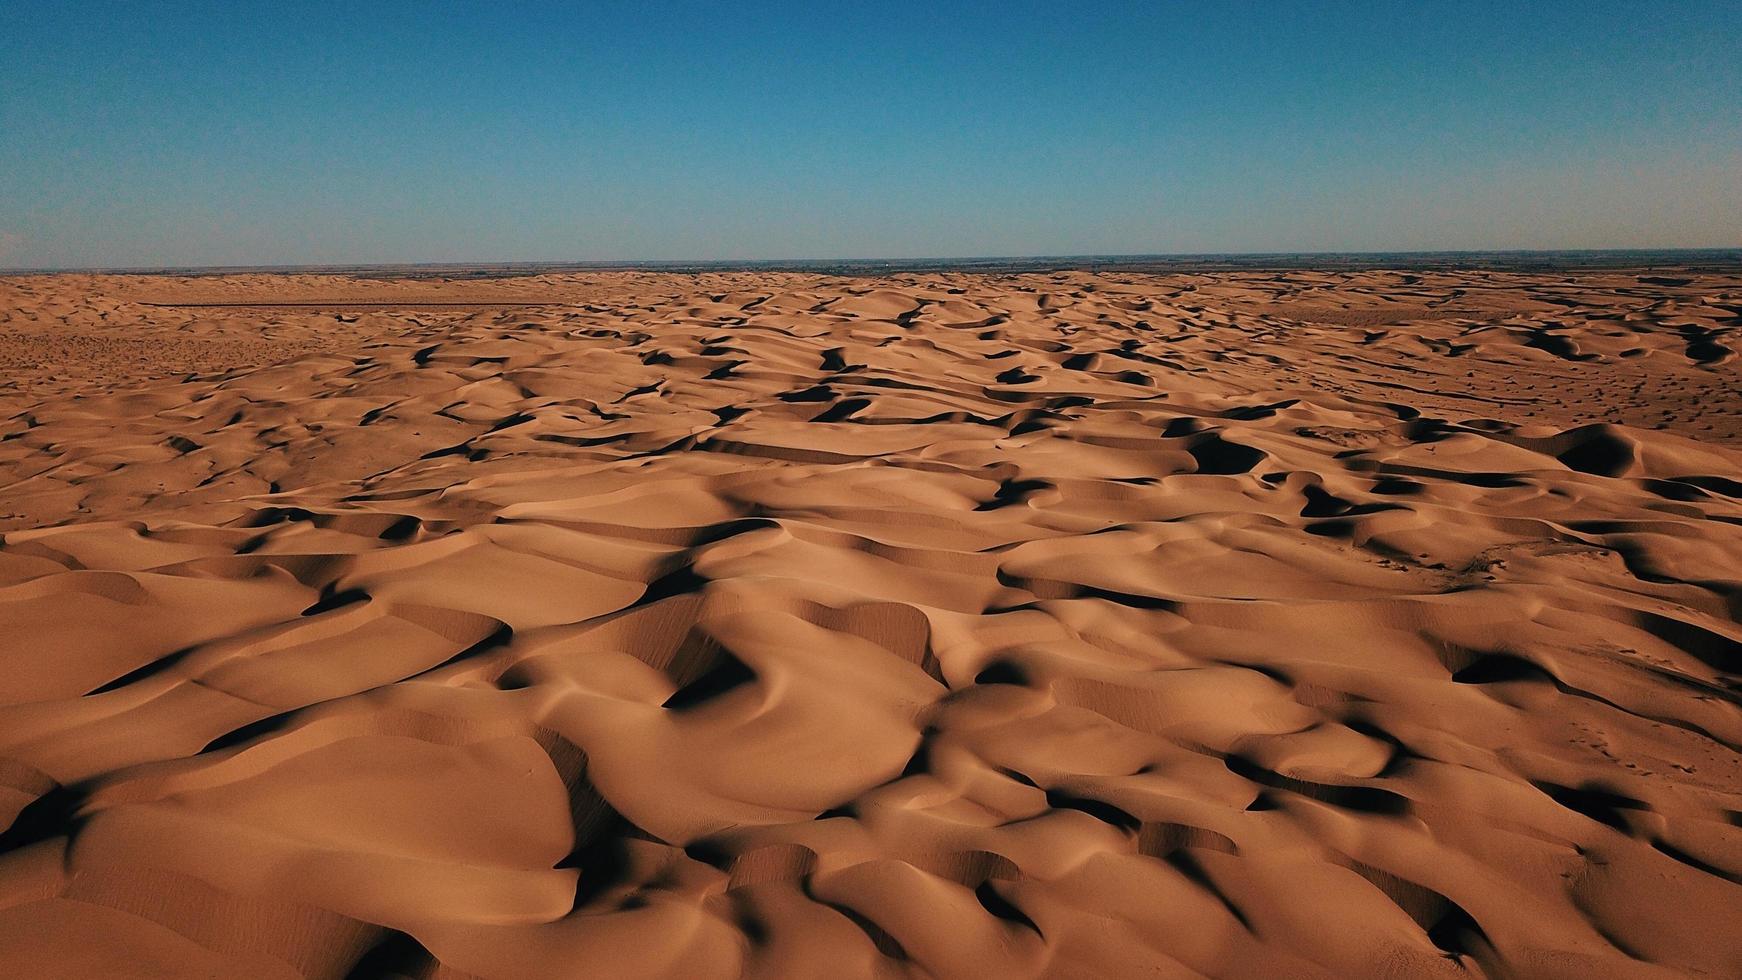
x: 1253, y: 624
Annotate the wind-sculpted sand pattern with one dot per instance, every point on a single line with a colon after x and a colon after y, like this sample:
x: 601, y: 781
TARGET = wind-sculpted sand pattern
x: 1237, y: 625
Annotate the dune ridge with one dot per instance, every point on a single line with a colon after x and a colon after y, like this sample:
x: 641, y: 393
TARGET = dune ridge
x: 774, y: 624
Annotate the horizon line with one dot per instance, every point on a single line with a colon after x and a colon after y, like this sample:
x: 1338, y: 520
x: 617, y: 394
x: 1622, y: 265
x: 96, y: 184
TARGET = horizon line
x: 1730, y: 252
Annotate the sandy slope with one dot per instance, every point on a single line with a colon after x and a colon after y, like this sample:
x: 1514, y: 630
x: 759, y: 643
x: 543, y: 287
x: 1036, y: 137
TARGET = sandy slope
x: 1356, y: 624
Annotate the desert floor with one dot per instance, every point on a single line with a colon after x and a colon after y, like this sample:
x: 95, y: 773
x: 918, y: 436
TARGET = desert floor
x: 643, y: 624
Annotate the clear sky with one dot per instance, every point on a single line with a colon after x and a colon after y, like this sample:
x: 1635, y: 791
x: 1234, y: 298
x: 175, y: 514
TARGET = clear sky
x: 150, y: 134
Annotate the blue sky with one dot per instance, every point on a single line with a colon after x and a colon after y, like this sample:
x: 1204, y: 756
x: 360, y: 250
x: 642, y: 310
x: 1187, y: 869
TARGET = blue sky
x: 285, y: 133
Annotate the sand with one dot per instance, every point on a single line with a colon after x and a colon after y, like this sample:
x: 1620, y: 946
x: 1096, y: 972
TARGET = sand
x: 1069, y: 625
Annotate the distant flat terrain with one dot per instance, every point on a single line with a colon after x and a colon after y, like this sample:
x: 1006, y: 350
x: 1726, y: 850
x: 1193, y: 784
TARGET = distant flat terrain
x: 1291, y: 621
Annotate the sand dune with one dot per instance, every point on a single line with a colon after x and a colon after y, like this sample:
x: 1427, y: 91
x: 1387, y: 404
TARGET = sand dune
x: 633, y: 624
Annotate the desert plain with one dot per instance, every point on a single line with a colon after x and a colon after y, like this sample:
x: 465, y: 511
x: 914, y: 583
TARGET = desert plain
x: 1250, y: 623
